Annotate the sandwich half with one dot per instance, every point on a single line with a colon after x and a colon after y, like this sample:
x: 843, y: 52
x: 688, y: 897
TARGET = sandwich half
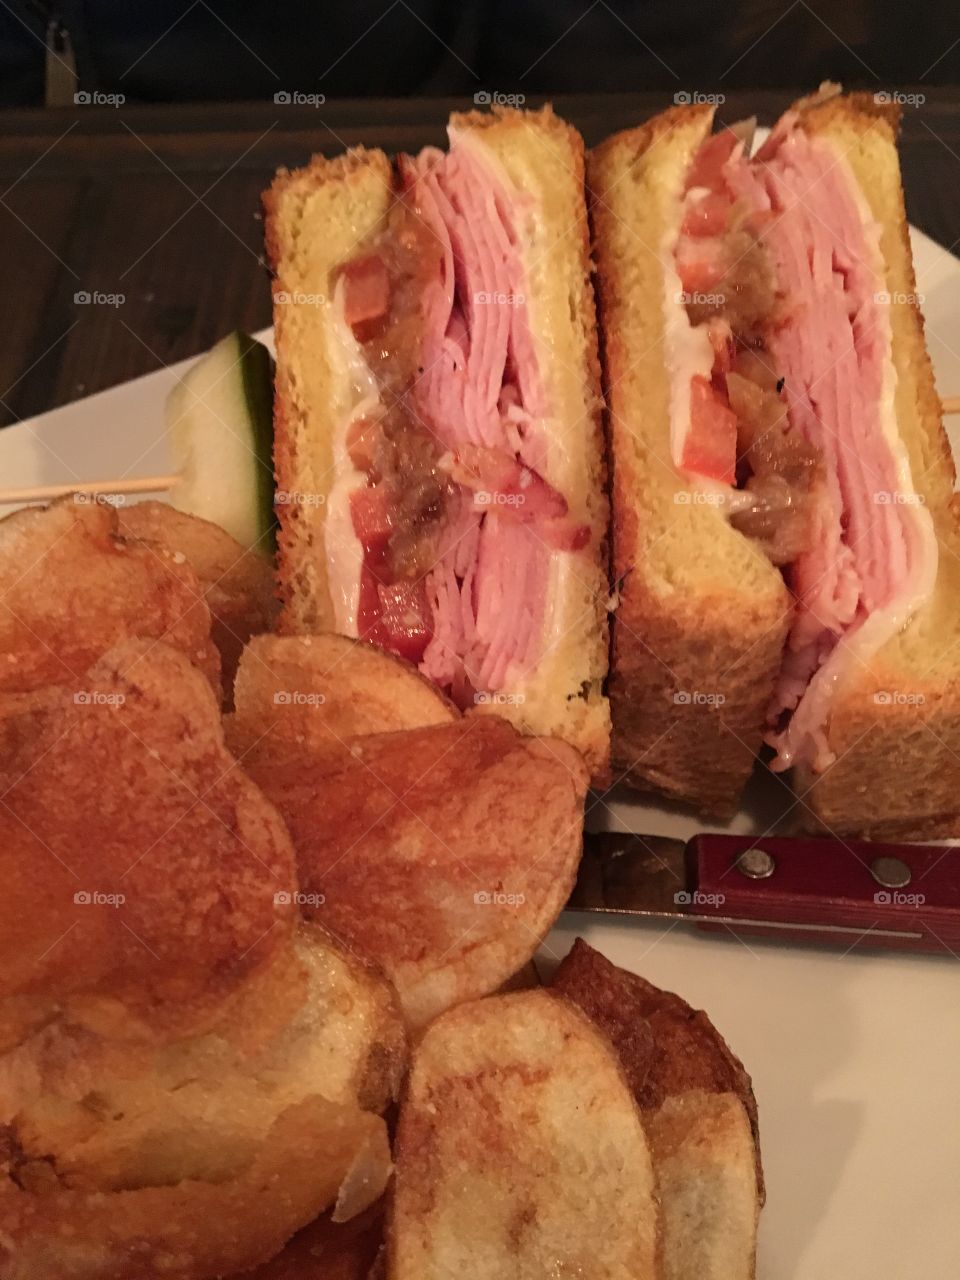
x: 789, y: 488
x: 438, y: 447
x: 702, y: 613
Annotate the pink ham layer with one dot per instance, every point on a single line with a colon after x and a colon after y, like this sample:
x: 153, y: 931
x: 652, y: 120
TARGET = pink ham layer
x: 481, y: 386
x: 831, y: 350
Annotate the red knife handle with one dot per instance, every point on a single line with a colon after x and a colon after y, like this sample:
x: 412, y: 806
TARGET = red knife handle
x: 818, y: 889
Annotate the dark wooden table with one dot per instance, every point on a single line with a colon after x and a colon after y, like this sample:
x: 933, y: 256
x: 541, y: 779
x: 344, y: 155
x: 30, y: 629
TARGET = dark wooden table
x: 161, y: 205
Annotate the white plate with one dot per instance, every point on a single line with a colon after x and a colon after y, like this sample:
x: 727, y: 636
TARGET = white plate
x: 855, y: 1059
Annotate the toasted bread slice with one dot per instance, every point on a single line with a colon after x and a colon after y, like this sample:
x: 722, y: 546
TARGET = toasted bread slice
x: 698, y: 1110
x: 237, y: 581
x: 308, y: 696
x: 315, y: 219
x: 702, y: 613
x: 520, y: 1152
x: 320, y: 217
x: 470, y: 833
x: 894, y: 721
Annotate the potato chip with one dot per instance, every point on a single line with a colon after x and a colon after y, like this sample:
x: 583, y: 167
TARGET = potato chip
x: 520, y: 1152
x: 299, y: 695
x: 74, y: 588
x: 444, y: 853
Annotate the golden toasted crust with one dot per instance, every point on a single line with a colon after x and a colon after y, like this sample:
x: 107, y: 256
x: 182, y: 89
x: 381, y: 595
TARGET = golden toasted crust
x: 702, y: 615
x: 471, y: 833
x: 894, y: 723
x: 518, y: 1143
x: 698, y: 1109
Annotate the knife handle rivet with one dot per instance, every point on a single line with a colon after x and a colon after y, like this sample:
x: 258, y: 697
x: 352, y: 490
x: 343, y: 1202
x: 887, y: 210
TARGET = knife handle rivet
x: 756, y: 863
x: 890, y: 872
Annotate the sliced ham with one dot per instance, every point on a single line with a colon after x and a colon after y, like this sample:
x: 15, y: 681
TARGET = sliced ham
x: 482, y: 395
x: 856, y: 583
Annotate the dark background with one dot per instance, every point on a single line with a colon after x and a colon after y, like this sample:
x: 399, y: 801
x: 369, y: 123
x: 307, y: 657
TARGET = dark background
x: 151, y: 191
x: 213, y: 50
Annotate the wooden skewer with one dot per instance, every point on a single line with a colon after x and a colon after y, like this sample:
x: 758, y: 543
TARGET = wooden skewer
x: 46, y: 492
x: 160, y: 484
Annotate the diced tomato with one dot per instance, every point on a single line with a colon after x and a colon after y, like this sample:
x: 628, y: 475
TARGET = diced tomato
x: 707, y: 167
x: 710, y: 448
x: 366, y: 293
x: 372, y: 512
x: 404, y: 625
x: 708, y: 216
x: 368, y: 608
x: 701, y: 265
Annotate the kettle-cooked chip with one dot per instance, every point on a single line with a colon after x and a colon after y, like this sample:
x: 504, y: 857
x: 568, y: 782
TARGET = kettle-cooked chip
x: 445, y: 853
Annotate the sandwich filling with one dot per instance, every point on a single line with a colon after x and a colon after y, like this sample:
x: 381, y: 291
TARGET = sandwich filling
x: 782, y: 273
x: 447, y: 455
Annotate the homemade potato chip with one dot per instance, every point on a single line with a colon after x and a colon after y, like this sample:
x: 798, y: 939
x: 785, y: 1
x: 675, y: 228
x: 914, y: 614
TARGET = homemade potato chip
x: 310, y: 694
x: 137, y: 859
x: 520, y: 1152
x: 237, y: 581
x: 74, y: 588
x: 327, y: 1250
x: 698, y: 1110
x: 190, y: 1230
x: 444, y: 853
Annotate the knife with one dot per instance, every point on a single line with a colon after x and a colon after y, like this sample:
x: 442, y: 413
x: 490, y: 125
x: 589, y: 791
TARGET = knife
x: 844, y: 893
